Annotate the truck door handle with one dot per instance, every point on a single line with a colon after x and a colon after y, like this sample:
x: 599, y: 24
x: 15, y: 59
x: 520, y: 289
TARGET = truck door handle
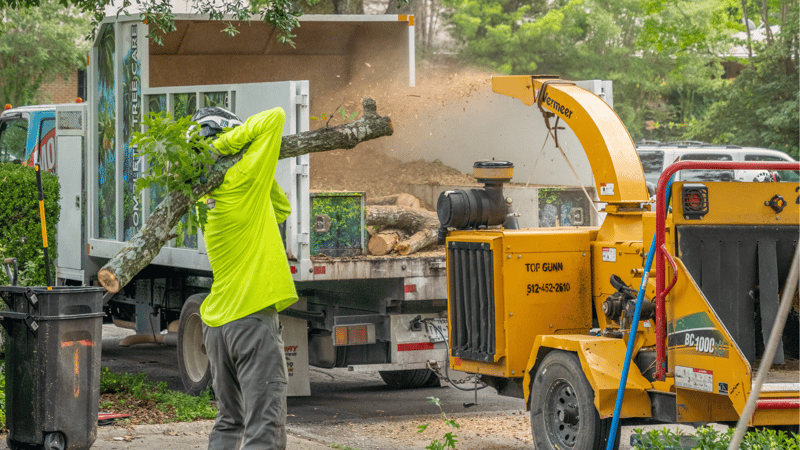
x: 78, y: 202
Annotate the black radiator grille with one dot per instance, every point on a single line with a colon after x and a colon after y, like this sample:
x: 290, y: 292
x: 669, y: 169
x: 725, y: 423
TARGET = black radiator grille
x: 741, y: 270
x: 471, y: 275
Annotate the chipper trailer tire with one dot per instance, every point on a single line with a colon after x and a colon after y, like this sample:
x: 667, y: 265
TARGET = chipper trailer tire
x: 564, y: 415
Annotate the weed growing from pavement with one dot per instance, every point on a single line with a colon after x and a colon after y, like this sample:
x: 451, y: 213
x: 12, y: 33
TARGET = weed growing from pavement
x: 135, y: 388
x: 707, y: 438
x: 449, y: 437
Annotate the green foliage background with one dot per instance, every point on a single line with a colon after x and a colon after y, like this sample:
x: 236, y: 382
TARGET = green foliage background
x: 666, y: 58
x: 20, y: 227
x: 39, y: 44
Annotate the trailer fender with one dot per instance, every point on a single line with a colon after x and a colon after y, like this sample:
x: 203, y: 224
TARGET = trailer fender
x: 601, y: 359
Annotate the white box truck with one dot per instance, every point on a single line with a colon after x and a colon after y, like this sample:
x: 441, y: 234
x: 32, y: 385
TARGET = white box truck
x: 356, y: 311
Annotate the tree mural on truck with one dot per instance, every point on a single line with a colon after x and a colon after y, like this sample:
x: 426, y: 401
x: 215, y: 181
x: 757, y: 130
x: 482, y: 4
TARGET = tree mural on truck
x: 106, y: 119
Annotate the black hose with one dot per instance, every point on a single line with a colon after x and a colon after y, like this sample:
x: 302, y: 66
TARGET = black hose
x: 447, y: 364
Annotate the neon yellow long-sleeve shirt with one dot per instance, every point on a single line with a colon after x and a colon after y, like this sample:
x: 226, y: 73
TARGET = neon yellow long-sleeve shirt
x: 244, y: 245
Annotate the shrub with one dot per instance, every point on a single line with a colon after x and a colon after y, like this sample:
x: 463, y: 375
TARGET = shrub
x: 20, y: 226
x: 707, y: 438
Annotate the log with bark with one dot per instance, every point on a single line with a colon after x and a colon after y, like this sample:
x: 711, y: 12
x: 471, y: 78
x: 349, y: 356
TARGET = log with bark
x: 424, y: 223
x: 384, y: 241
x: 145, y: 245
x: 403, y: 199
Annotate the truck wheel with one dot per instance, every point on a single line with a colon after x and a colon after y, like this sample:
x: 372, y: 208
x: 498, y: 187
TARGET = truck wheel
x: 406, y: 379
x: 192, y: 358
x: 563, y: 415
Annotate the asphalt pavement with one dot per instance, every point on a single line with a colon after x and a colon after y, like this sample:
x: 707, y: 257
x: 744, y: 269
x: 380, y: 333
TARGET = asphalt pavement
x: 346, y: 409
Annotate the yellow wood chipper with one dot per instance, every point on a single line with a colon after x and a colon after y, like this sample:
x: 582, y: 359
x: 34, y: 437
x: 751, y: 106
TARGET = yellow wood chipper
x: 546, y: 314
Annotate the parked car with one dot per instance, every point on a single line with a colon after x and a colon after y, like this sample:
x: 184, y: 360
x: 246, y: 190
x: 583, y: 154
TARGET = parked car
x: 656, y: 156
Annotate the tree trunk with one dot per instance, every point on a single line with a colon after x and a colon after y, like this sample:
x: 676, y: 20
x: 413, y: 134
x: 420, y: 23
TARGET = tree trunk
x: 747, y: 27
x: 418, y: 241
x: 424, y: 224
x: 146, y: 244
x: 404, y: 200
x: 383, y: 216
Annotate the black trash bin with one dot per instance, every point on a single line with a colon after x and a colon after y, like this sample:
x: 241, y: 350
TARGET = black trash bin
x: 52, y: 365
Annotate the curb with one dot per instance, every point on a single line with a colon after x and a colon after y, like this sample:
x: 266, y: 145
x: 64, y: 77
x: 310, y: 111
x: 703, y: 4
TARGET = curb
x: 181, y: 435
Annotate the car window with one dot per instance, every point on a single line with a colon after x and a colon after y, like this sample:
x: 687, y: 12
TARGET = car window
x: 13, y: 138
x: 652, y: 164
x: 707, y: 175
x: 785, y: 175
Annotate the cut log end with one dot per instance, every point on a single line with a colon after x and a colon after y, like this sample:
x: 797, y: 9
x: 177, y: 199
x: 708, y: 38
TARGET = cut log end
x: 384, y: 242
x: 108, y: 280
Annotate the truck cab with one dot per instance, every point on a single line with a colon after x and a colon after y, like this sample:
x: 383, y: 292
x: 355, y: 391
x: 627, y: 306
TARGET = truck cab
x: 25, y: 130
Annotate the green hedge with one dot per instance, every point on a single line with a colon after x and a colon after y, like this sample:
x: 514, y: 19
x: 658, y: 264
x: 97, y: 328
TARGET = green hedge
x: 20, y: 226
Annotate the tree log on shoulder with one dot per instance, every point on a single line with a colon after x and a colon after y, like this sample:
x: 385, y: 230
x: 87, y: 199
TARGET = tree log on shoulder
x: 145, y: 245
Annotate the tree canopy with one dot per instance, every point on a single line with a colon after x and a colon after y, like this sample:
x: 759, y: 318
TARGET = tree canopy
x: 667, y: 59
x: 37, y: 44
x: 282, y: 14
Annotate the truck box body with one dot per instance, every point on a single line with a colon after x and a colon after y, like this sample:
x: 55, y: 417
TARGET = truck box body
x: 130, y: 76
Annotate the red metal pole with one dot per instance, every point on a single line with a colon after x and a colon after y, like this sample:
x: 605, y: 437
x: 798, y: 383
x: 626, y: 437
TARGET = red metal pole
x: 661, y: 218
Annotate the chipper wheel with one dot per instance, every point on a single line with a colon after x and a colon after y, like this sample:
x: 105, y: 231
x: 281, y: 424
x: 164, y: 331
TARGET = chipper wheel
x: 563, y: 415
x: 192, y: 358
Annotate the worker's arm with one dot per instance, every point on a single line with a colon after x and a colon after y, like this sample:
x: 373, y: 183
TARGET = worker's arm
x: 263, y: 132
x: 280, y: 204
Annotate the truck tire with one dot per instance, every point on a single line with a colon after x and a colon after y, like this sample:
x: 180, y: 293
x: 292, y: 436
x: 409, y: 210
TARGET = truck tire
x: 563, y: 415
x: 192, y: 359
x: 408, y: 379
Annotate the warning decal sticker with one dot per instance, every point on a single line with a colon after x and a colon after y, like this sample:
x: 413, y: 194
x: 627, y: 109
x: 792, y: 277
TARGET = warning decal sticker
x: 697, y: 379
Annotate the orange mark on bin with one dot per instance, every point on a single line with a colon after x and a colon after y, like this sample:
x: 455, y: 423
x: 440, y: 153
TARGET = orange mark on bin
x: 76, y: 359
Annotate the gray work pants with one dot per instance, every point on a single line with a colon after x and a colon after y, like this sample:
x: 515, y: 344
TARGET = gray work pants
x: 248, y: 368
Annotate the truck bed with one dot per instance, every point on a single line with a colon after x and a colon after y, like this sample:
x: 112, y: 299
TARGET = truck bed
x: 429, y: 263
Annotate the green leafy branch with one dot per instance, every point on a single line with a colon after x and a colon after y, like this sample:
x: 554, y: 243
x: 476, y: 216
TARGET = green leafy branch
x: 176, y: 159
x: 449, y: 437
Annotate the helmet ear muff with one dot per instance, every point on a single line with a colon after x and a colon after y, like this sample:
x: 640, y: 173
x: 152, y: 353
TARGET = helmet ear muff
x: 207, y: 130
x: 213, y: 120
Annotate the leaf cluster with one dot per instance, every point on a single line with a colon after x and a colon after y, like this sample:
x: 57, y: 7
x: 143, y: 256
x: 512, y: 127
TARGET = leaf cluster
x: 707, y: 438
x: 344, y: 115
x: 449, y: 439
x: 177, y: 157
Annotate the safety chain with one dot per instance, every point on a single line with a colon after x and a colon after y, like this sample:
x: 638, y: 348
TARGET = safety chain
x: 434, y: 365
x: 471, y: 378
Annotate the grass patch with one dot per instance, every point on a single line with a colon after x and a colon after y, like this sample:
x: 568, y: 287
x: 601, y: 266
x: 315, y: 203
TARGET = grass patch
x: 150, y: 402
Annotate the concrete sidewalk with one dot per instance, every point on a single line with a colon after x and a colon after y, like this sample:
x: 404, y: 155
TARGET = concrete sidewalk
x: 185, y: 435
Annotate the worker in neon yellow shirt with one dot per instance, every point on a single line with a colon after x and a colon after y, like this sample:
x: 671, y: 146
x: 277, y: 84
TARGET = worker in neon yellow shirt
x: 252, y: 282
